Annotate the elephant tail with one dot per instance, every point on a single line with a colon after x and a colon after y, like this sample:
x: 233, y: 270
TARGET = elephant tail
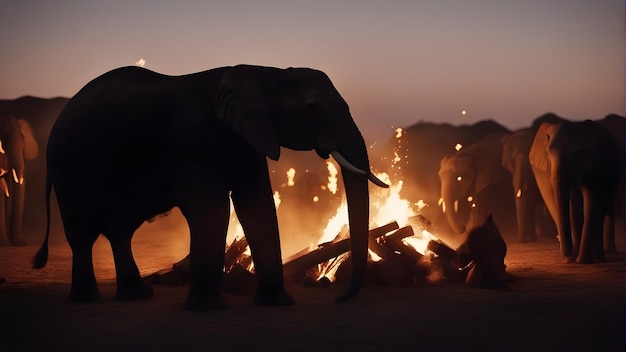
x: 41, y: 258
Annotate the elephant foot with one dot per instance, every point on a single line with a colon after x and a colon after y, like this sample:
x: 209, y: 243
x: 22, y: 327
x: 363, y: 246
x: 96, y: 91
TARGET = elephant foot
x: 137, y: 291
x: 84, y: 295
x: 584, y: 260
x: 278, y: 297
x: 205, y: 303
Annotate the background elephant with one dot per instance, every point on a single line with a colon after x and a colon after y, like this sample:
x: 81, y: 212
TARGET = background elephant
x: 419, y: 149
x: 474, y: 184
x: 617, y: 126
x: 40, y: 115
x: 532, y: 216
x: 133, y: 143
x: 578, y: 168
x: 17, y: 144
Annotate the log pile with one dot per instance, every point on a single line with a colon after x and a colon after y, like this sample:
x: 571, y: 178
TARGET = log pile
x: 393, y: 262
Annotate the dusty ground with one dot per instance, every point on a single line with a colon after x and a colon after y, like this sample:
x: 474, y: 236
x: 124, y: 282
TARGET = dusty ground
x: 551, y: 307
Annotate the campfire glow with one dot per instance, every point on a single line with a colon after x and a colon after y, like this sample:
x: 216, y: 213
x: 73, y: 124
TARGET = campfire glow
x: 386, y: 206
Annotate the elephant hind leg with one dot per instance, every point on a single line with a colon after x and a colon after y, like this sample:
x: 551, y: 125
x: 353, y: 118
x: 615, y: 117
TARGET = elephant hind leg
x: 130, y: 285
x: 83, y: 287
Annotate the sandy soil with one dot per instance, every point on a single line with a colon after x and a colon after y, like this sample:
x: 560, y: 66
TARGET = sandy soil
x: 552, y: 306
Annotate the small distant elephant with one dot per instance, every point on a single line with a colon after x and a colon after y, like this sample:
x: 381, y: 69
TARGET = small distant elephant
x: 134, y: 143
x: 17, y: 144
x: 578, y: 167
x: 484, y: 249
x: 419, y: 149
x: 474, y: 184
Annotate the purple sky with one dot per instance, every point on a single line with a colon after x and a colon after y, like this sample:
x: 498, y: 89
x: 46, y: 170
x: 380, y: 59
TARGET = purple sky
x: 395, y: 62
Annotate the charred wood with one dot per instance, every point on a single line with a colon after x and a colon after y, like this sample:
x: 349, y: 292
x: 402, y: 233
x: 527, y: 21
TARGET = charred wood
x: 295, y: 268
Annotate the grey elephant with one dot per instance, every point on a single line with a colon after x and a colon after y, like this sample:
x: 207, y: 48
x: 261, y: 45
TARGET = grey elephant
x: 17, y: 145
x: 420, y: 148
x: 474, y: 184
x: 578, y: 168
x: 134, y: 143
x: 533, y: 218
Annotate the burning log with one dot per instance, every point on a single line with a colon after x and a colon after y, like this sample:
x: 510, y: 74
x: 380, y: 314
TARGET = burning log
x: 294, y: 269
x: 447, y: 259
x: 443, y: 251
x: 404, y: 232
x: 234, y: 252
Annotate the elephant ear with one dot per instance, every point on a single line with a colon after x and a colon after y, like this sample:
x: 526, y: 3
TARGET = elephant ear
x: 538, y: 156
x: 31, y: 148
x: 487, y: 162
x: 508, y: 159
x: 244, y: 106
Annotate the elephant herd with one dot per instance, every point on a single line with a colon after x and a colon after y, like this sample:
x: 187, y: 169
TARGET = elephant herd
x: 133, y: 143
x: 555, y: 177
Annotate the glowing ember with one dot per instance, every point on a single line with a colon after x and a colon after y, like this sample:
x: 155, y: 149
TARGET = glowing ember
x: 291, y: 174
x: 332, y: 177
x: 399, y: 132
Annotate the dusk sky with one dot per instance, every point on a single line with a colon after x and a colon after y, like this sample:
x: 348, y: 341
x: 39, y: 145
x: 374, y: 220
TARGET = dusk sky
x: 395, y: 62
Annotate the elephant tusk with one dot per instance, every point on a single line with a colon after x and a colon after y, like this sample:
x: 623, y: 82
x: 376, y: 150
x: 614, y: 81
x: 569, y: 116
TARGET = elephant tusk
x: 344, y: 163
x: 375, y: 180
x: 18, y: 180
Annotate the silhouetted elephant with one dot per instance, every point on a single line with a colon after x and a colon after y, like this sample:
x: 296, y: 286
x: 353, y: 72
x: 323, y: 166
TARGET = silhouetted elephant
x: 474, y: 184
x: 578, y: 168
x: 133, y: 143
x: 485, y: 247
x: 617, y: 126
x: 17, y: 144
x: 420, y: 149
x: 532, y: 215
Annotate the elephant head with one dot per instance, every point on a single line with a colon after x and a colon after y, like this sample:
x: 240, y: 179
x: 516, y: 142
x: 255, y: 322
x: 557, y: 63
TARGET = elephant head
x: 17, y: 144
x: 300, y: 109
x: 457, y: 188
x: 465, y: 177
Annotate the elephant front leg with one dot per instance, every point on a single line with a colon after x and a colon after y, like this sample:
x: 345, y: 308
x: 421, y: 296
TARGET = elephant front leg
x: 591, y: 246
x: 207, y: 214
x: 525, y: 219
x: 254, y: 204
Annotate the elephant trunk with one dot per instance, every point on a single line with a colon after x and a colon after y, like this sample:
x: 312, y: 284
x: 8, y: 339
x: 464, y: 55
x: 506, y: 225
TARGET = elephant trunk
x: 357, y: 195
x: 451, y: 204
x: 562, y: 193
